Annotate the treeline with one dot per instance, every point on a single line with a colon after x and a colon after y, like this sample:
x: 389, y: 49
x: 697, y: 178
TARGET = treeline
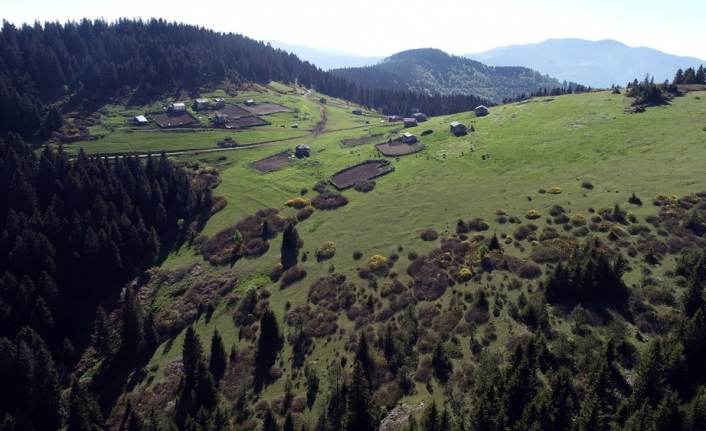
x: 569, y: 88
x: 690, y: 76
x: 432, y: 71
x: 73, y: 233
x: 92, y: 60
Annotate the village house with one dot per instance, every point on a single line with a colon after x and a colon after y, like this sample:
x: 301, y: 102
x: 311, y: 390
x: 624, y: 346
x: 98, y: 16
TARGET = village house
x: 322, y: 100
x: 409, y: 138
x: 219, y: 102
x: 140, y: 120
x: 177, y: 107
x: 249, y: 102
x: 419, y: 117
x: 302, y: 151
x: 458, y: 128
x: 481, y: 110
x: 357, y: 111
x: 410, y: 122
x: 200, y: 104
x: 220, y: 119
x: 392, y: 118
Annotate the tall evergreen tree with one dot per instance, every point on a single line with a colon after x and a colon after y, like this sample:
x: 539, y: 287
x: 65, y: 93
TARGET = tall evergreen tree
x: 218, y: 360
x: 360, y: 408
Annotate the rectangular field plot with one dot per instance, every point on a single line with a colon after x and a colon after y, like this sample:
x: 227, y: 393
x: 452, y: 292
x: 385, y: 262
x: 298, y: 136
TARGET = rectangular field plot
x: 399, y: 148
x: 173, y: 119
x: 267, y: 108
x: 272, y: 163
x: 360, y: 141
x: 233, y: 111
x: 241, y: 123
x: 363, y: 171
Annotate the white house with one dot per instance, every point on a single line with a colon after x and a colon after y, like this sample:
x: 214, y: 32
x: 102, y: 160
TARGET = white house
x: 177, y: 107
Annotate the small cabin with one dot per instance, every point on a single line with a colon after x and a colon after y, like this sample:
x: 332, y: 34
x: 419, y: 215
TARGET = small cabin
x: 219, y: 102
x: 392, y: 118
x: 419, y: 117
x: 302, y: 151
x: 481, y: 110
x: 410, y: 122
x: 409, y: 138
x: 177, y: 107
x: 322, y: 100
x: 357, y: 111
x: 295, y: 126
x: 458, y: 128
x: 250, y: 102
x: 220, y: 119
x: 200, y: 104
x: 140, y: 120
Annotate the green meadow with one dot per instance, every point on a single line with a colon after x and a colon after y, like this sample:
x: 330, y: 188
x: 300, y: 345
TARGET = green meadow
x: 515, y: 151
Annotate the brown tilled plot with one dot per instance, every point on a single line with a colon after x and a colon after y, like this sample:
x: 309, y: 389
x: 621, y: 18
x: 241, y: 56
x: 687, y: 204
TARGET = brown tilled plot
x: 240, y: 123
x: 272, y: 163
x: 364, y: 171
x: 172, y: 119
x: 267, y: 108
x: 360, y: 141
x: 233, y: 111
x: 399, y: 148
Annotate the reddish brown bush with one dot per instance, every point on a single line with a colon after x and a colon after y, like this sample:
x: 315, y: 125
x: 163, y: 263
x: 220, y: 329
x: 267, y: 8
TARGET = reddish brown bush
x: 429, y: 235
x: 329, y: 201
x: 529, y: 270
x: 320, y: 187
x: 292, y: 275
x: 365, y: 186
x: 556, y: 210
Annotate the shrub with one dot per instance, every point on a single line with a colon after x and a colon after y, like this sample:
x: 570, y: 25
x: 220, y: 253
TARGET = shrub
x: 412, y: 255
x: 501, y: 219
x: 541, y: 191
x: 377, y: 263
x: 298, y: 203
x: 515, y: 219
x: 320, y: 186
x: 465, y: 274
x: 521, y: 233
x: 587, y: 185
x: 581, y: 232
x: 305, y: 212
x: 357, y: 255
x: 577, y: 220
x: 429, y: 235
x: 292, y: 275
x: 303, y: 191
x: 532, y: 215
x: 548, y: 233
x: 529, y: 270
x: 500, y: 211
x: 478, y: 224
x: 365, y: 186
x: 556, y: 209
x: 635, y: 200
x: 326, y: 251
x: 329, y: 201
x: 561, y: 219
x: 554, y: 190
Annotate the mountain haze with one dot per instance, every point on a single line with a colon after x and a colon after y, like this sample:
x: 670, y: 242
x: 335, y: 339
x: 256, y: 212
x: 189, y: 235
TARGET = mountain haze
x: 598, y: 64
x: 433, y: 71
x: 326, y: 59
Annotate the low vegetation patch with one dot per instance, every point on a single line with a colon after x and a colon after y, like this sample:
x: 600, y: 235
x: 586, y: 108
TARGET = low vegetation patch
x: 325, y: 251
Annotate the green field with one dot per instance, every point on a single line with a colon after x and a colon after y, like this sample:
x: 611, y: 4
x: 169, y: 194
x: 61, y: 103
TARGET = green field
x: 553, y: 142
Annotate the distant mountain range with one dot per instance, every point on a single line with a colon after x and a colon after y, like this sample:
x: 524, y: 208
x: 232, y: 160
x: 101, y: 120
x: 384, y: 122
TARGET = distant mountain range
x: 598, y: 64
x: 432, y: 71
x: 326, y: 58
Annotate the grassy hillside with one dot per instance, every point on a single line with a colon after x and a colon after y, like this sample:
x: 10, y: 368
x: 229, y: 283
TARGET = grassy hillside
x: 518, y: 149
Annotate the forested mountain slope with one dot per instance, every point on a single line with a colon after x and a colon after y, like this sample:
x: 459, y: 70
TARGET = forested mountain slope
x: 432, y: 71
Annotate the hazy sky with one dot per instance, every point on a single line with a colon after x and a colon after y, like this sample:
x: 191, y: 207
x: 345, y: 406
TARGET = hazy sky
x: 380, y: 27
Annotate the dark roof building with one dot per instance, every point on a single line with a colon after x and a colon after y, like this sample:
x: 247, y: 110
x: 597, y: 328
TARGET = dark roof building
x: 419, y: 116
x: 322, y: 100
x: 357, y: 111
x: 409, y: 138
x: 394, y: 118
x: 457, y: 128
x: 302, y: 151
x: 481, y: 110
x: 410, y: 122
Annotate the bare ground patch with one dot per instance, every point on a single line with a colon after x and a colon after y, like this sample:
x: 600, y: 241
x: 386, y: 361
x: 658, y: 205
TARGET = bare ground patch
x: 399, y: 148
x: 172, y: 119
x: 362, y: 171
x: 241, y: 123
x: 267, y: 108
x: 233, y: 111
x: 360, y: 141
x: 272, y: 163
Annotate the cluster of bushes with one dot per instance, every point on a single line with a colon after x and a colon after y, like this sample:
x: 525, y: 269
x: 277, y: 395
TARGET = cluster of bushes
x: 248, y: 237
x: 292, y: 275
x: 328, y: 200
x: 365, y: 186
x: 333, y: 292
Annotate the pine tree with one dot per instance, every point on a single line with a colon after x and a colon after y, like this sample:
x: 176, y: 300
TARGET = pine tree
x: 84, y: 413
x: 269, y: 423
x: 360, y: 407
x: 192, y: 354
x: 218, y: 360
